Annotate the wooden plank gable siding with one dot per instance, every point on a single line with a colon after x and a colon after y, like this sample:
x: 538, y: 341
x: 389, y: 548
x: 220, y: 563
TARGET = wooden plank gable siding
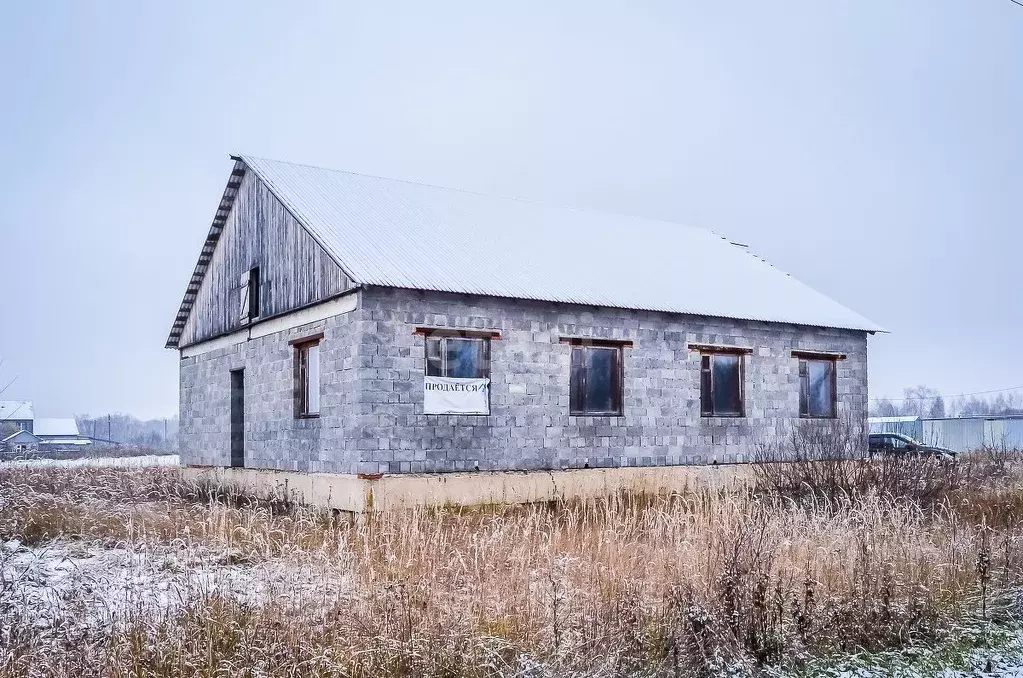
x: 294, y: 271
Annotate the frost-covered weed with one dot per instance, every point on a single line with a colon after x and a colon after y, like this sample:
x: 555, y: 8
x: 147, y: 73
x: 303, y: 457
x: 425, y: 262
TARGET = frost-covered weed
x: 133, y: 572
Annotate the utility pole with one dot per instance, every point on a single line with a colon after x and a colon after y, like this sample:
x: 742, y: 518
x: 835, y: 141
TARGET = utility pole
x: 108, y: 429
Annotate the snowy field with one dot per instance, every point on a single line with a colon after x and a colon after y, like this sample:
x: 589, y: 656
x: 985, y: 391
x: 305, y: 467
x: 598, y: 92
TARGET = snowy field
x: 71, y: 587
x: 143, y: 461
x: 74, y: 588
x: 108, y: 561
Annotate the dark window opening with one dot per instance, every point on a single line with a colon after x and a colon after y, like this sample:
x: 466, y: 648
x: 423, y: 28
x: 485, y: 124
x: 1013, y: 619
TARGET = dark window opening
x: 817, y: 388
x: 458, y: 357
x: 254, y: 296
x: 237, y: 418
x: 721, y: 385
x: 596, y: 381
x: 307, y: 379
x: 249, y: 296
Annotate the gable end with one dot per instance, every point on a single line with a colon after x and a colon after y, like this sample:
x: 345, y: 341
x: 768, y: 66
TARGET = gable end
x: 253, y: 231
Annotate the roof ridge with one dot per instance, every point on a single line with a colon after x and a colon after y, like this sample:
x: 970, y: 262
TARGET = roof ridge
x: 530, y: 201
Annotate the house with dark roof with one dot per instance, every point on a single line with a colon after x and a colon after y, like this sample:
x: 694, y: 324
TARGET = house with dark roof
x: 16, y: 415
x: 347, y: 324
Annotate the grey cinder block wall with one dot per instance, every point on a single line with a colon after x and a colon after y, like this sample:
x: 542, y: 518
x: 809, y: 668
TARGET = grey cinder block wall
x: 372, y: 367
x: 274, y: 437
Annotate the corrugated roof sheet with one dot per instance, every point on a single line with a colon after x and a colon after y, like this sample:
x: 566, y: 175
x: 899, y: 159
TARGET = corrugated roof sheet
x: 16, y: 409
x: 402, y: 234
x: 55, y: 427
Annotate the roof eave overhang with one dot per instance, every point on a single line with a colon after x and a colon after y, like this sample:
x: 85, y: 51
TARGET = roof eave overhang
x: 210, y: 244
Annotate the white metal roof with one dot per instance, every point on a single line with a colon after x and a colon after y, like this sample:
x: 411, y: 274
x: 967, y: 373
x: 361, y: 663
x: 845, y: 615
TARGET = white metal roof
x: 25, y: 436
x: 402, y: 234
x: 16, y: 409
x: 56, y: 427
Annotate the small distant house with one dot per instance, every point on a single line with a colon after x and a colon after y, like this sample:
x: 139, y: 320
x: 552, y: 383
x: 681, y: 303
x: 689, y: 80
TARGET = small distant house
x: 20, y: 442
x: 347, y: 324
x: 60, y: 434
x: 16, y: 414
x: 18, y: 417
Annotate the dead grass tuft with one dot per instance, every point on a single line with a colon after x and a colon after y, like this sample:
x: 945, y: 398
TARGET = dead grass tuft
x: 629, y: 585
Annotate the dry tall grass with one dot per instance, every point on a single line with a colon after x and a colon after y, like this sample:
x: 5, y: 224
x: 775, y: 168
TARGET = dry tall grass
x: 646, y: 586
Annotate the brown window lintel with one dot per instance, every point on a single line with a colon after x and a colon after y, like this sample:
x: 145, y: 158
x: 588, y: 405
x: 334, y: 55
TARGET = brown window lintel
x: 458, y: 332
x: 595, y: 341
x: 818, y: 355
x: 720, y: 348
x: 309, y: 339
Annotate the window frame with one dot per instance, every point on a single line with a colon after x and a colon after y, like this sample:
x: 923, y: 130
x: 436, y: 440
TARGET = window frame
x: 249, y: 296
x: 804, y: 389
x: 707, y: 353
x: 582, y: 345
x: 805, y: 357
x: 443, y: 339
x: 442, y: 336
x: 897, y: 444
x: 254, y: 289
x: 301, y: 375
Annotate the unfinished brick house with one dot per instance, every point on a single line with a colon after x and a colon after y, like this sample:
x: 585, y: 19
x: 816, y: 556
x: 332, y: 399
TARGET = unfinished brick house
x: 338, y: 323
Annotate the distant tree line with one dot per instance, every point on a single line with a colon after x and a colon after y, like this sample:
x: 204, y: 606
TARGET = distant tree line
x: 129, y: 430
x: 924, y: 401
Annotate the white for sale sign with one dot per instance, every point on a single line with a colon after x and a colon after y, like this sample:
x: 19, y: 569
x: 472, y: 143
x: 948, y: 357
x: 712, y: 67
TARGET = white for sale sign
x: 447, y: 395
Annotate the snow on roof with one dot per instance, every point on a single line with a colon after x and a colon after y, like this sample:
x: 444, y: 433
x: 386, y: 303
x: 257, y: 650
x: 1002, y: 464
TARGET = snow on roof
x: 56, y: 427
x: 21, y: 437
x: 402, y: 234
x: 16, y: 409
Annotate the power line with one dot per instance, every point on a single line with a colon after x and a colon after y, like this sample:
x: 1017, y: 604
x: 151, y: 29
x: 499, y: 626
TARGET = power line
x: 958, y: 395
x: 1017, y: 2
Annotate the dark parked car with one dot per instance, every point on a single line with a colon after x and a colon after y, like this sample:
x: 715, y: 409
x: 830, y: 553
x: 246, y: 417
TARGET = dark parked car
x: 896, y: 444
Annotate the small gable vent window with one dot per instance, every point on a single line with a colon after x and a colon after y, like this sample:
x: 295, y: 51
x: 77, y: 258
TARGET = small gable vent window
x: 250, y: 288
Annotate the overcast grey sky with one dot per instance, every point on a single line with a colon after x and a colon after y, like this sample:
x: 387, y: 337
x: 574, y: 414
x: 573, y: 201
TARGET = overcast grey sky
x: 872, y: 148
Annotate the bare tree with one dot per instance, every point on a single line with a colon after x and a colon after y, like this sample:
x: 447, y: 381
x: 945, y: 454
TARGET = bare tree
x: 917, y: 400
x: 884, y: 408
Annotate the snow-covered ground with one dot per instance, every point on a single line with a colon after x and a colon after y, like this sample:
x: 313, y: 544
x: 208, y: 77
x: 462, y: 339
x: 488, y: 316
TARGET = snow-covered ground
x: 1001, y: 662
x: 974, y: 649
x: 70, y: 586
x: 121, y: 462
x: 92, y: 585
